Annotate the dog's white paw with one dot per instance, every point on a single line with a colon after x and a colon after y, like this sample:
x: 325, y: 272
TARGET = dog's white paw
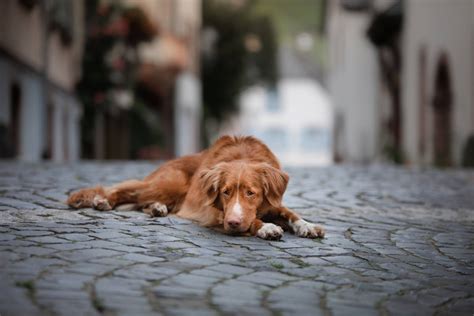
x: 100, y: 203
x: 156, y: 209
x: 270, y: 231
x: 303, y: 228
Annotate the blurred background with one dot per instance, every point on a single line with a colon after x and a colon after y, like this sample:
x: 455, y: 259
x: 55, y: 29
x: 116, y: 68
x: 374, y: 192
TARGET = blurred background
x: 321, y: 82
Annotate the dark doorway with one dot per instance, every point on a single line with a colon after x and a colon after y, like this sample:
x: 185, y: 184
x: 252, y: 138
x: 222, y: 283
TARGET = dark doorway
x: 422, y: 104
x: 442, y: 106
x: 65, y: 129
x: 15, y: 118
x: 48, y: 147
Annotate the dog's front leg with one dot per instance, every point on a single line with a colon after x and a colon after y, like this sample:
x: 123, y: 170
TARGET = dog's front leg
x: 266, y: 230
x: 298, y: 226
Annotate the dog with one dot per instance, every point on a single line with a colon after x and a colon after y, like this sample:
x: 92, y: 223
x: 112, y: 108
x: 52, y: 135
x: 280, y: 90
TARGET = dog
x: 236, y: 186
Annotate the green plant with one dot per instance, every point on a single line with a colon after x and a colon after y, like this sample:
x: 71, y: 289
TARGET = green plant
x: 98, y: 305
x: 300, y: 262
x: 29, y: 285
x: 277, y: 265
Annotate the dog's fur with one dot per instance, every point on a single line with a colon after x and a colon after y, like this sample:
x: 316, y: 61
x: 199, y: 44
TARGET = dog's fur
x: 237, y: 185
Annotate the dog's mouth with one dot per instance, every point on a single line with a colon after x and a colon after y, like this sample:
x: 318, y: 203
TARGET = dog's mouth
x: 235, y: 231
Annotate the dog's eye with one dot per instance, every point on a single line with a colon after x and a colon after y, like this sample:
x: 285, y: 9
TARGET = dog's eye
x: 250, y: 193
x: 226, y: 192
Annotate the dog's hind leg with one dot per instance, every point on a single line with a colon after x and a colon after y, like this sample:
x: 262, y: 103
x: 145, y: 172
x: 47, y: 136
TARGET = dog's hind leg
x: 161, y: 192
x: 88, y: 197
x: 106, y: 198
x: 161, y: 198
x: 126, y: 192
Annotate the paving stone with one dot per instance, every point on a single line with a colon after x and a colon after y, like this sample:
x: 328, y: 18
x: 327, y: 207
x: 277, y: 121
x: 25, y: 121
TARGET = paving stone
x: 76, y: 237
x: 230, y: 269
x: 267, y: 278
x: 7, y: 237
x: 48, y: 240
x: 86, y: 254
x: 399, y: 241
x: 136, y: 257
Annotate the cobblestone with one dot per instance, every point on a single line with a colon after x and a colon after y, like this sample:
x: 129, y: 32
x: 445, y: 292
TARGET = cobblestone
x: 399, y: 241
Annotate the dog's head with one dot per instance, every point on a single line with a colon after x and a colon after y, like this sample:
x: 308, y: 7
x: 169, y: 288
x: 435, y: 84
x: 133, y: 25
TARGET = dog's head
x: 240, y: 189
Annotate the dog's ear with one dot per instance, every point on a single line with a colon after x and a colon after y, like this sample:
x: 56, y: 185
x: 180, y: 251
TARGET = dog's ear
x: 274, y: 182
x: 210, y: 181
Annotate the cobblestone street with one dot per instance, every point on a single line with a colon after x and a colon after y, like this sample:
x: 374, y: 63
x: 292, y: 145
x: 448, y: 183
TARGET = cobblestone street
x: 398, y: 242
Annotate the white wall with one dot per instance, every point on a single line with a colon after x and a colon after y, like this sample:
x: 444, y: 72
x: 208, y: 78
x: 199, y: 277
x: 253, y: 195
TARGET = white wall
x: 440, y: 26
x: 32, y: 111
x: 31, y: 132
x: 21, y: 35
x: 353, y: 83
x: 60, y: 106
x: 75, y: 114
x: 187, y: 114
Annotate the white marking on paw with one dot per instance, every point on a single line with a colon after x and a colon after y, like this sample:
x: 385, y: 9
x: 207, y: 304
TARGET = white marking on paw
x: 303, y: 228
x: 158, y: 209
x: 100, y: 203
x: 270, y: 231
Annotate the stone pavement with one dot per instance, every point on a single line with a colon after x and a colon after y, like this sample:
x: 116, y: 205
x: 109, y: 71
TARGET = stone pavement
x: 399, y: 241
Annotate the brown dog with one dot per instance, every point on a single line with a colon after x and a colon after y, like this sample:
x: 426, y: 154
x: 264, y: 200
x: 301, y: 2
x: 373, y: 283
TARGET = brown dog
x: 237, y: 184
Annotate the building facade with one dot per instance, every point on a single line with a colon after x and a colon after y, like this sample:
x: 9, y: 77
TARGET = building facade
x: 41, y: 47
x: 437, y: 81
x: 401, y: 81
x: 352, y: 81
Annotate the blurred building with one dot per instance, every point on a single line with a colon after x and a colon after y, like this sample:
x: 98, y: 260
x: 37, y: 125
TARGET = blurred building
x: 40, y: 52
x: 401, y: 80
x: 437, y: 80
x: 353, y: 83
x: 294, y: 119
x: 141, y: 89
x: 170, y: 71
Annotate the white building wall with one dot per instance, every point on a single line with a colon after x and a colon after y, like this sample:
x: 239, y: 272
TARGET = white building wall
x: 187, y: 114
x: 66, y: 117
x: 439, y: 26
x: 74, y: 126
x: 59, y: 106
x: 353, y: 83
x: 21, y: 62
x: 32, y: 111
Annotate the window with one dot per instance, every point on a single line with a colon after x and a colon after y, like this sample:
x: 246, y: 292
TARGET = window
x: 61, y: 17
